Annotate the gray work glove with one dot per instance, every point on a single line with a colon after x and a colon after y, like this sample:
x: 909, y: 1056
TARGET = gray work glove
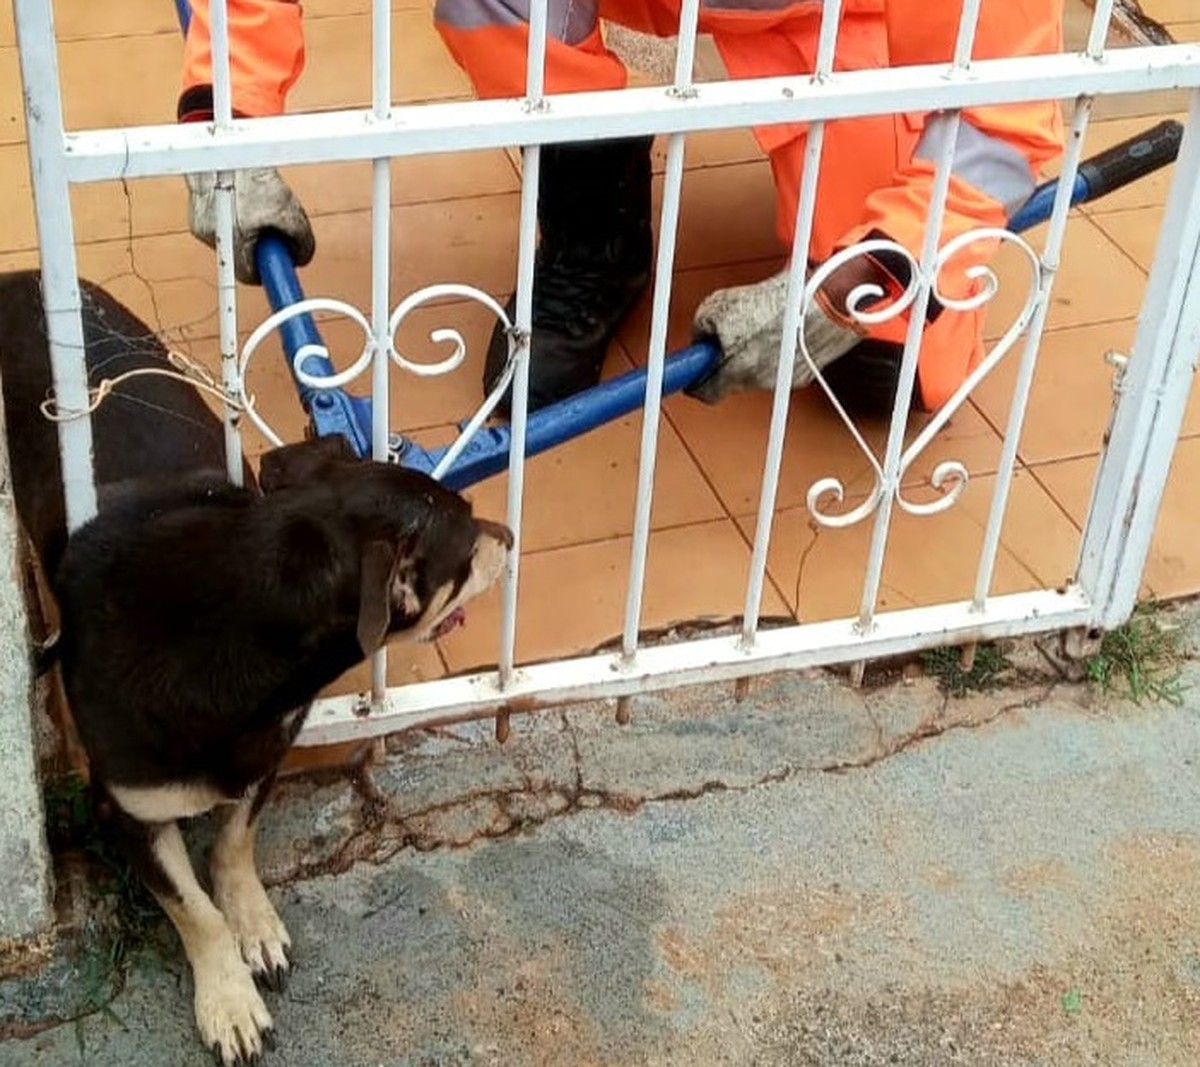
x: 262, y: 200
x: 747, y: 322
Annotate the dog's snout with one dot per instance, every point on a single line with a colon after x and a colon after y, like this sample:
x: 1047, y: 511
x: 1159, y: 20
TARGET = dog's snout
x: 497, y: 531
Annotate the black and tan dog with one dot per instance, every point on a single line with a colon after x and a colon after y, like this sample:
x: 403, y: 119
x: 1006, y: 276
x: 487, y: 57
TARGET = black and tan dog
x: 199, y: 621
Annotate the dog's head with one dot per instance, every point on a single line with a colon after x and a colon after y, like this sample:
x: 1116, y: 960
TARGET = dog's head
x: 419, y: 553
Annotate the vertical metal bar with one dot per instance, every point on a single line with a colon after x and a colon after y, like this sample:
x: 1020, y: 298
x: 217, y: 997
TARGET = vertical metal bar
x: 222, y: 92
x: 652, y: 410
x: 1098, y: 34
x: 685, y: 48
x: 1051, y: 257
x: 381, y: 206
x: 227, y: 322
x: 805, y: 211
x: 968, y: 22
x: 1153, y: 397
x: 535, y: 61
x: 225, y: 206
x: 663, y: 275
x: 38, y: 58
x: 531, y: 159
x: 527, y: 241
x: 949, y: 124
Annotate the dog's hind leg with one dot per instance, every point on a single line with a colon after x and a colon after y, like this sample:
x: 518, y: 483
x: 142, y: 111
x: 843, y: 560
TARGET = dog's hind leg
x: 232, y: 1018
x: 239, y: 893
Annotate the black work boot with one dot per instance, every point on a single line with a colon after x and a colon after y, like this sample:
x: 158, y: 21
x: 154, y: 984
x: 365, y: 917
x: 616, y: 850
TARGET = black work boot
x: 592, y: 265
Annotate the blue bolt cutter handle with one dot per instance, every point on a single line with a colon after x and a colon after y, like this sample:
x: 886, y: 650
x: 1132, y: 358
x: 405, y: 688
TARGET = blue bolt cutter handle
x: 1106, y: 172
x: 336, y: 411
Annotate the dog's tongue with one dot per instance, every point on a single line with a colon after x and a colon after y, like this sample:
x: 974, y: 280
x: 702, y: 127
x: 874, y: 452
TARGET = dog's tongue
x: 456, y: 618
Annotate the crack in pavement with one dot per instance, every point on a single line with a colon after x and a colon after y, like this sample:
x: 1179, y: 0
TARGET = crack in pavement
x: 382, y: 832
x: 930, y: 728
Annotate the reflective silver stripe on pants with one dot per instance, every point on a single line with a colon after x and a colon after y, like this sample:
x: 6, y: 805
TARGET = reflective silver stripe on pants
x: 989, y: 164
x: 569, y: 21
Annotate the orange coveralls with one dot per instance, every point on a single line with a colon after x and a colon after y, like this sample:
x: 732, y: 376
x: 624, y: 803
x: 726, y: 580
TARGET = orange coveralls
x: 876, y: 173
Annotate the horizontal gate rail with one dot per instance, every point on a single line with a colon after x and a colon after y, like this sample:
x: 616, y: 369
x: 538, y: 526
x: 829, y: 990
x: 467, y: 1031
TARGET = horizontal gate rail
x: 691, y: 662
x: 425, y: 129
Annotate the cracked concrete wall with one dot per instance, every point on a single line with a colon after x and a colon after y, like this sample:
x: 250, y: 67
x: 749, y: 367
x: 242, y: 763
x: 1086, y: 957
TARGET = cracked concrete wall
x: 25, y: 879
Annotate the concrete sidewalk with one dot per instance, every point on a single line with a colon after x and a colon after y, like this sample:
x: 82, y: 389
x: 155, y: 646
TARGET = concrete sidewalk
x: 815, y: 875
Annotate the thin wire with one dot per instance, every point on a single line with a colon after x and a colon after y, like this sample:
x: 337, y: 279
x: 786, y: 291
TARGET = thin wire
x: 189, y: 371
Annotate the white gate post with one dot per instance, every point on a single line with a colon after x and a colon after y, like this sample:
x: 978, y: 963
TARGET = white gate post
x: 56, y: 241
x: 1152, y: 399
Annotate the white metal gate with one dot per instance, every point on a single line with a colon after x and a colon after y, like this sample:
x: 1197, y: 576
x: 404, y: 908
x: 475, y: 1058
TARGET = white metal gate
x: 1134, y: 466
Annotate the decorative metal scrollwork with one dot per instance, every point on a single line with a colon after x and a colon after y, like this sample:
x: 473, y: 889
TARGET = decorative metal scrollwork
x: 949, y: 477
x: 366, y: 357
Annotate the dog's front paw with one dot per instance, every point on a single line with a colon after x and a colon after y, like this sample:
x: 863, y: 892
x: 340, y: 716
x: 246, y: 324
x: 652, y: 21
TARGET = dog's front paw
x: 233, y: 1020
x: 261, y: 937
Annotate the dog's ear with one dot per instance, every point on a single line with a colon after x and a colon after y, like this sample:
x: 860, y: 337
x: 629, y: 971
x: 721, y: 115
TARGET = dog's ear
x: 386, y: 585
x: 292, y: 465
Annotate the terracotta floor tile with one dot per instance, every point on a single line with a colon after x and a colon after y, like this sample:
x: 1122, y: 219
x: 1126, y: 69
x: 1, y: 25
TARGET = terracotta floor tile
x: 1184, y: 32
x: 159, y: 205
x: 1150, y: 106
x: 1035, y: 532
x: 17, y: 227
x: 337, y: 74
x: 130, y: 18
x: 163, y: 280
x: 165, y: 284
x: 712, y: 148
x: 471, y: 241
x: 688, y: 288
x: 573, y: 599
x: 1136, y: 232
x: 167, y: 278
x: 154, y: 205
x: 100, y: 212
x: 1070, y: 363
x: 1070, y: 483
x: 307, y: 760
x: 166, y: 281
x: 12, y: 115
x: 1096, y: 282
x: 1169, y: 10
x: 585, y: 490
x: 1173, y: 566
x: 726, y: 215
x: 95, y: 80
x: 930, y: 558
x: 338, y: 68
